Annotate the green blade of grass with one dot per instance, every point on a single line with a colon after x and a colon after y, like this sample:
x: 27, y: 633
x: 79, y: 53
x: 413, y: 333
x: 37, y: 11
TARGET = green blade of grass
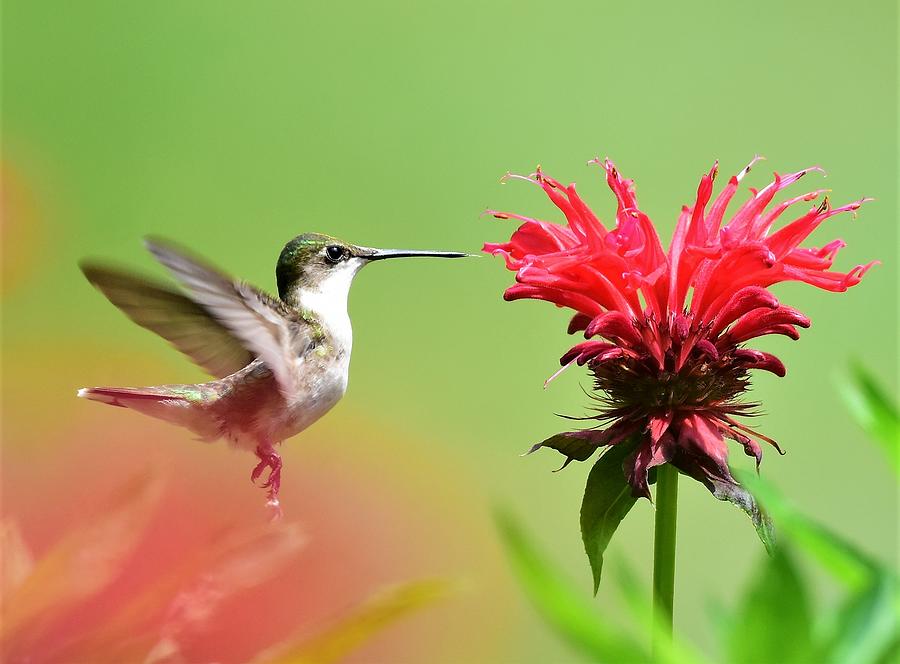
x: 572, y: 615
x: 865, y: 628
x: 874, y: 411
x: 773, y: 622
x: 839, y: 557
x: 668, y: 649
x: 360, y: 624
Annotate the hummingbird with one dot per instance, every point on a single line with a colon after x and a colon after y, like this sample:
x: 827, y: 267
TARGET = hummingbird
x: 278, y: 364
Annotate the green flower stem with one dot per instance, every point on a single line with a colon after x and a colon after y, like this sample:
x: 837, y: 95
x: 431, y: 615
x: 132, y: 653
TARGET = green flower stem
x: 664, y: 545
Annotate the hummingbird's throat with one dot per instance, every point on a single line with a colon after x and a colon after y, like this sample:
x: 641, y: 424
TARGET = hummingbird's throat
x: 327, y: 301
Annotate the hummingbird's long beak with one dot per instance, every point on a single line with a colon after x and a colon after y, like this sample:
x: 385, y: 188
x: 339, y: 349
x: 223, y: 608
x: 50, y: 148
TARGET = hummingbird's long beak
x: 381, y: 254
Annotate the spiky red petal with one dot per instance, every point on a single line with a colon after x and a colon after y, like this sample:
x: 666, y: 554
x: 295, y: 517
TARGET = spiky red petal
x: 666, y: 328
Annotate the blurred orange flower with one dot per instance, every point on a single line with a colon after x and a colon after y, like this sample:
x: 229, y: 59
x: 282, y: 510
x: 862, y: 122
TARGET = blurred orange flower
x: 90, y: 598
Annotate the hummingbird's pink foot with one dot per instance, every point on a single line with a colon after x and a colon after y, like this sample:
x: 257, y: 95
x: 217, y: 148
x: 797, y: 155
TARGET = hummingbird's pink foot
x: 269, y: 458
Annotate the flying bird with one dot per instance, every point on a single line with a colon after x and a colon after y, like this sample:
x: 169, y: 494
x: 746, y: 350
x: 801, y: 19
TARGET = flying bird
x: 279, y: 364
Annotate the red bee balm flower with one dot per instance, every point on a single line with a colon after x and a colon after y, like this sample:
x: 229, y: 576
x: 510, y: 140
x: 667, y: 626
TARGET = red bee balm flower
x: 667, y: 330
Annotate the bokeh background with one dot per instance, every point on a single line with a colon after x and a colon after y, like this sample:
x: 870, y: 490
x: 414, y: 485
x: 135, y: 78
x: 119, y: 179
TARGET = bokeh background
x: 231, y: 127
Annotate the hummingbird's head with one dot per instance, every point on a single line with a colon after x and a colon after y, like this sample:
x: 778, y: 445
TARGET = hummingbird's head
x: 322, y: 264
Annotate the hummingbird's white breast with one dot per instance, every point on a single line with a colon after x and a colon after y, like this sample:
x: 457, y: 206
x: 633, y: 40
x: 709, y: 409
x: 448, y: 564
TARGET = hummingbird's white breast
x: 323, y: 378
x: 327, y: 300
x: 256, y: 409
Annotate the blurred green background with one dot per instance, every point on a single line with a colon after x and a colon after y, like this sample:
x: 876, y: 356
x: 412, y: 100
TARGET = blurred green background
x: 232, y: 127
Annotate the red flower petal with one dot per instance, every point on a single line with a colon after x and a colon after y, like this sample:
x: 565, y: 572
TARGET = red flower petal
x: 670, y: 365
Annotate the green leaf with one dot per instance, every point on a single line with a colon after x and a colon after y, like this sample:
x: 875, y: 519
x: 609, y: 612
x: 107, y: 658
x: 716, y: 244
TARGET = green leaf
x: 773, y: 622
x: 574, y: 445
x: 572, y: 615
x: 865, y: 628
x: 738, y: 495
x: 874, y: 411
x: 843, y: 560
x: 720, y: 618
x: 607, y: 500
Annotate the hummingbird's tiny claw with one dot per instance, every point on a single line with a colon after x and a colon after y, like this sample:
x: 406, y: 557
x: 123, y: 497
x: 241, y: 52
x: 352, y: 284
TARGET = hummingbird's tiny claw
x: 262, y: 465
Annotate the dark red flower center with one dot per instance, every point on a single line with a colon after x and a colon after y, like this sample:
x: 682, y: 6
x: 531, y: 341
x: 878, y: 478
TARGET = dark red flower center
x: 634, y: 384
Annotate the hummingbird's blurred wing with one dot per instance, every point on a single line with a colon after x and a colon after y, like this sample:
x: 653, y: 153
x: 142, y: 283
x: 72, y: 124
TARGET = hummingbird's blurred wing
x: 178, y: 319
x: 266, y: 326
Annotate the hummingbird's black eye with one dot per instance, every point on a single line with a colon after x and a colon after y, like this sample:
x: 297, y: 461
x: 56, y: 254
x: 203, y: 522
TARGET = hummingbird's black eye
x: 335, y: 253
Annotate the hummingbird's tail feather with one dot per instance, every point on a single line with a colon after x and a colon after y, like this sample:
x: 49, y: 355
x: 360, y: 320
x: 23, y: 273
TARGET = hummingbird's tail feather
x: 184, y: 405
x: 121, y: 396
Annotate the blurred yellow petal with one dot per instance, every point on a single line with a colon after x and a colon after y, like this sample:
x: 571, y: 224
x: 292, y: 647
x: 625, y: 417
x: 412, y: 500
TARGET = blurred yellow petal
x: 363, y: 622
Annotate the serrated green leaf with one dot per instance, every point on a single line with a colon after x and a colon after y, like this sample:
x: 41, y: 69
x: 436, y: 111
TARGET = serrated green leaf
x: 840, y: 558
x: 607, y: 500
x: 874, y: 410
x: 865, y: 629
x: 572, y: 615
x: 773, y: 622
